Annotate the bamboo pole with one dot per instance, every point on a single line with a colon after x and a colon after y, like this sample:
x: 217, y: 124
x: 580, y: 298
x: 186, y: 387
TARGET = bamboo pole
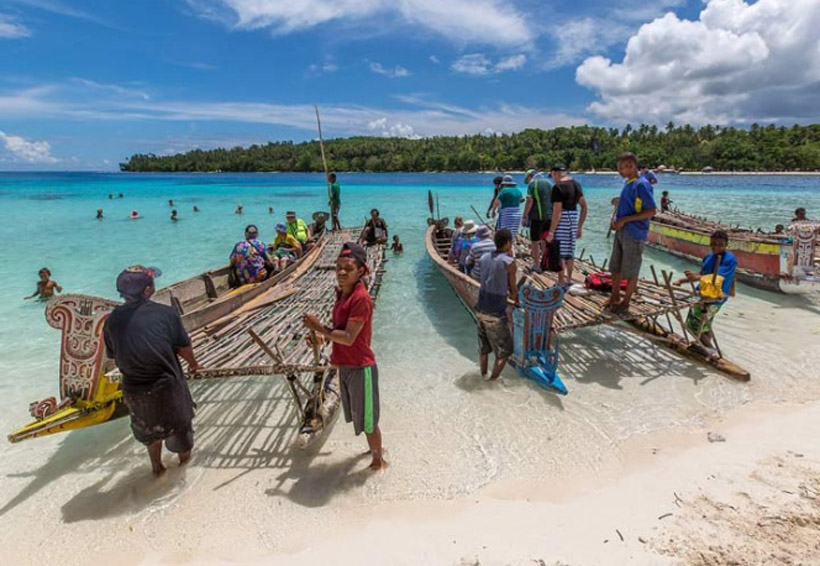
x: 322, y: 147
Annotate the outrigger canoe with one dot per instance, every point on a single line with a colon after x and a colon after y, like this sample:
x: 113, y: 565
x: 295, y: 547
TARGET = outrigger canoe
x: 90, y: 388
x: 655, y: 309
x: 787, y: 263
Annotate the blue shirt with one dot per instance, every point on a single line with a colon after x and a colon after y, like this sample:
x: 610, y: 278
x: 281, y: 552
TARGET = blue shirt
x: 650, y: 176
x: 492, y: 296
x: 510, y: 197
x: 636, y: 196
x: 727, y: 269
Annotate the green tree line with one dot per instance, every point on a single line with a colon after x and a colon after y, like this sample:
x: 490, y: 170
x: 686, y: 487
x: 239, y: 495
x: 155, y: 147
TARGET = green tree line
x: 584, y: 148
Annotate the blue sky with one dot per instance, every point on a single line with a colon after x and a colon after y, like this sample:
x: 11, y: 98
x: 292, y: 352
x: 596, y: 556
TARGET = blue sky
x: 84, y: 84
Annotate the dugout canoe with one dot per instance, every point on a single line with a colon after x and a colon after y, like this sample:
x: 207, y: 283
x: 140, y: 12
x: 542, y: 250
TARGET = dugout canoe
x: 785, y: 263
x: 652, y: 306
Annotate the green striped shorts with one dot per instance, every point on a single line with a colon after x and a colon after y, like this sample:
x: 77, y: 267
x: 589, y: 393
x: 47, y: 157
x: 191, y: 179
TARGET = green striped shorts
x: 360, y: 397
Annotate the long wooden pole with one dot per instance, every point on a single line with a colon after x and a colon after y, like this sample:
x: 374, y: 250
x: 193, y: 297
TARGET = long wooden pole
x: 322, y: 147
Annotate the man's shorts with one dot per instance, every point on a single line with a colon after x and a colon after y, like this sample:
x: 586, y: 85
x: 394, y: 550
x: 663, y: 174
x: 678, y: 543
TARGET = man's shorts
x: 360, y: 397
x: 627, y: 253
x: 539, y: 228
x: 494, y: 335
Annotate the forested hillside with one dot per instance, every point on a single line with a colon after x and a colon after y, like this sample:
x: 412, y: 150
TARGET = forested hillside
x: 769, y: 148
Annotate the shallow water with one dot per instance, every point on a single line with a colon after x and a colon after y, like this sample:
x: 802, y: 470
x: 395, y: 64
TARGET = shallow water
x: 448, y: 432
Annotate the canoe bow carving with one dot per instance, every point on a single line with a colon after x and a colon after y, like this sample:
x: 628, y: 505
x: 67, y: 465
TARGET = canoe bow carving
x: 82, y: 350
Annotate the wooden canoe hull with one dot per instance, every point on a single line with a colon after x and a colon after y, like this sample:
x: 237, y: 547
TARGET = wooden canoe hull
x: 758, y: 262
x: 200, y: 300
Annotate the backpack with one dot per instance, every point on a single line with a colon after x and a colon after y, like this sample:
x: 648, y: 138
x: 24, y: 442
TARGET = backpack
x: 551, y: 258
x: 601, y: 281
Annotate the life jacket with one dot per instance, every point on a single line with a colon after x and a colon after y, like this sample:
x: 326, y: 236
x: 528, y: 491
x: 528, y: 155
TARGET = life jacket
x: 601, y: 281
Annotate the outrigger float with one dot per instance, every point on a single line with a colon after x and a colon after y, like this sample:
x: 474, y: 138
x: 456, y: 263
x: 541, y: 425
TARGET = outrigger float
x: 255, y: 329
x: 547, y: 311
x: 787, y: 263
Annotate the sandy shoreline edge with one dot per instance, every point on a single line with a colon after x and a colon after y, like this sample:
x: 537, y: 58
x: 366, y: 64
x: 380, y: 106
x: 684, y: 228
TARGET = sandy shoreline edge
x: 751, y: 493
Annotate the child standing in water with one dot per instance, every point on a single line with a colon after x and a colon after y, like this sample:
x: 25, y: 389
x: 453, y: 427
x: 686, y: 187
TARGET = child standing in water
x: 397, y: 246
x: 45, y: 286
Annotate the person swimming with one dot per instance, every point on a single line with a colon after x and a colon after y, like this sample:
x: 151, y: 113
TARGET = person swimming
x: 134, y: 215
x: 196, y: 208
x: 99, y: 214
x: 45, y: 286
x: 170, y: 202
x: 174, y: 216
x: 397, y: 246
x: 270, y: 210
x: 239, y: 208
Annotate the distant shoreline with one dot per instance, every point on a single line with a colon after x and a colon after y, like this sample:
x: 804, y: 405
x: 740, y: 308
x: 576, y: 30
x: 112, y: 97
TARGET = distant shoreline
x: 721, y: 173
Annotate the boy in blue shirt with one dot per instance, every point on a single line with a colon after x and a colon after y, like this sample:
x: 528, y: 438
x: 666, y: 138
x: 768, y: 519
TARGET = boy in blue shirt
x: 723, y: 263
x: 636, y: 207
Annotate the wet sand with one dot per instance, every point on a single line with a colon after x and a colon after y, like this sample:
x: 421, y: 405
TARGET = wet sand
x: 506, y: 466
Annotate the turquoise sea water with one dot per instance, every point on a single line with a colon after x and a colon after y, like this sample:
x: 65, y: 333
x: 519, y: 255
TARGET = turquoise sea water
x: 48, y: 220
x: 435, y: 407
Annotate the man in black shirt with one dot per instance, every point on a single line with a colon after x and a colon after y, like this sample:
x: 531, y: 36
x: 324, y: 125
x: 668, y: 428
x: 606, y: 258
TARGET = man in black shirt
x: 145, y: 338
x: 567, y: 222
x: 375, y: 230
x: 537, y: 212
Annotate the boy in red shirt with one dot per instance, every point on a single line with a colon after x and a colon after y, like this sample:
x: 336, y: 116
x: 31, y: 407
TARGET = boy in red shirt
x: 350, y: 334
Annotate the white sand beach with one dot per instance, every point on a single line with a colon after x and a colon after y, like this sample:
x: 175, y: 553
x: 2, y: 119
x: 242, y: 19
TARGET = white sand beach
x: 480, y: 473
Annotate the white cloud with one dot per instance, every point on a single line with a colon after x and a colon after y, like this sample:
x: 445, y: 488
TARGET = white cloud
x: 394, y: 130
x: 580, y: 37
x: 115, y: 88
x: 11, y: 29
x: 479, y: 64
x: 472, y: 64
x: 327, y: 67
x: 435, y: 60
x: 397, y: 72
x: 424, y: 116
x: 511, y: 63
x: 737, y: 63
x: 20, y: 149
x: 495, y: 22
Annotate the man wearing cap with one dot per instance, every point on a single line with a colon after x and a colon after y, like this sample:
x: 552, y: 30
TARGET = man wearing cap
x: 567, y: 222
x: 537, y: 212
x: 335, y: 202
x: 350, y: 335
x: 145, y: 338
x: 483, y: 246
x: 297, y: 227
x: 249, y: 258
x: 319, y: 225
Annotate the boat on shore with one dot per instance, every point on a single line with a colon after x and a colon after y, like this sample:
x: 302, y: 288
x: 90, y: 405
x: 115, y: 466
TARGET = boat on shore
x: 90, y: 385
x: 535, y: 352
x: 786, y: 263
x: 655, y: 308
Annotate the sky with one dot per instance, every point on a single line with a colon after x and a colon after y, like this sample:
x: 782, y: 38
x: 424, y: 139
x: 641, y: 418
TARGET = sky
x: 86, y: 83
